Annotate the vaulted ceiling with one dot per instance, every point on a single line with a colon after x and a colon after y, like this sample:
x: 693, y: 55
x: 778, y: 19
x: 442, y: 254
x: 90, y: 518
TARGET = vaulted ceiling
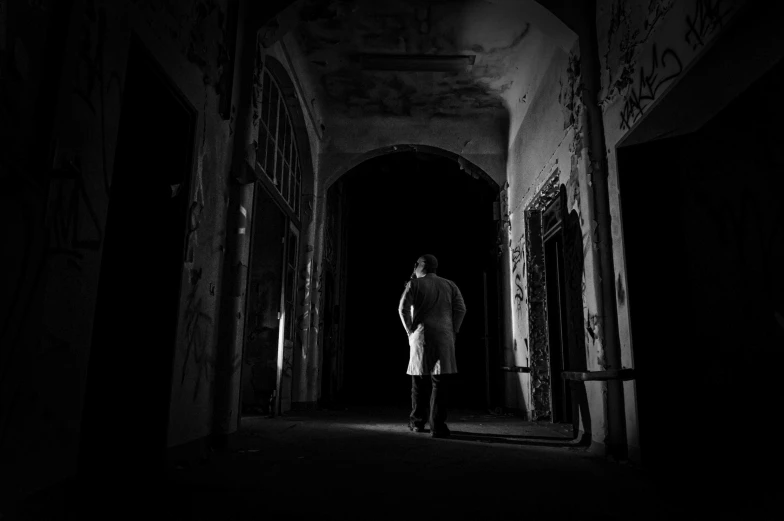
x: 450, y: 57
x: 457, y: 75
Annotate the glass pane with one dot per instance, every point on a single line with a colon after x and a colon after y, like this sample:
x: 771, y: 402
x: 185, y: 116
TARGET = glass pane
x: 270, y: 166
x: 292, y: 251
x: 273, y: 118
x: 265, y: 98
x: 284, y: 145
x: 281, y: 124
x: 296, y: 198
x: 278, y: 169
x: 291, y: 189
x: 290, y: 285
x: 297, y: 178
x: 289, y: 141
x: 287, y: 329
x: 261, y: 152
x: 284, y: 185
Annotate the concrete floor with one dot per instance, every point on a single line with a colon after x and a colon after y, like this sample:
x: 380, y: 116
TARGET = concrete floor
x: 364, y: 463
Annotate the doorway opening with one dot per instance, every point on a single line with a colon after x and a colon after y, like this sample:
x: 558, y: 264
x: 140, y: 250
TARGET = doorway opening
x: 705, y: 283
x: 554, y: 264
x: 400, y: 206
x: 270, y: 306
x: 555, y: 284
x: 268, y: 346
x: 130, y: 370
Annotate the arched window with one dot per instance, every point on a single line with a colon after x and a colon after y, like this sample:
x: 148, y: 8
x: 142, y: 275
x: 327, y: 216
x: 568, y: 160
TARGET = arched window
x: 277, y: 155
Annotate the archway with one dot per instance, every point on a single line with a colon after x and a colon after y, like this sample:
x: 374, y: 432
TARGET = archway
x: 381, y: 215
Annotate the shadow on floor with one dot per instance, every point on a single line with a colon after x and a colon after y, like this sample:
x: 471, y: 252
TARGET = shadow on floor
x: 533, y: 441
x: 368, y: 465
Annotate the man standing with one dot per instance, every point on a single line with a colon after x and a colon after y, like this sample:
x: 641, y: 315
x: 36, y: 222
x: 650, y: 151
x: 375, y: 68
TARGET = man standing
x: 432, y: 311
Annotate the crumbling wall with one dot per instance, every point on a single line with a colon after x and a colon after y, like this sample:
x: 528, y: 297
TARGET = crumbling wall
x: 548, y: 155
x: 62, y: 74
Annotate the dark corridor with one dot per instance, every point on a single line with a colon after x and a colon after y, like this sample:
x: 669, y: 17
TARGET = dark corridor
x: 401, y: 206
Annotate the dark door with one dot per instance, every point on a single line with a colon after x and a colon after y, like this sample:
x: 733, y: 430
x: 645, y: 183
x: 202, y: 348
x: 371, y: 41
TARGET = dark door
x: 129, y: 376
x: 555, y: 284
x: 289, y: 319
x: 263, y: 312
x: 556, y: 322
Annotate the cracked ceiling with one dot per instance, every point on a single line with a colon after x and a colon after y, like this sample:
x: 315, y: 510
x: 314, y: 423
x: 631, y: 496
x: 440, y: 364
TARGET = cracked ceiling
x: 333, y: 34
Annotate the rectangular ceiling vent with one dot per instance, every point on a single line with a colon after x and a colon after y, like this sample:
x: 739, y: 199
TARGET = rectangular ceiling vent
x: 416, y: 62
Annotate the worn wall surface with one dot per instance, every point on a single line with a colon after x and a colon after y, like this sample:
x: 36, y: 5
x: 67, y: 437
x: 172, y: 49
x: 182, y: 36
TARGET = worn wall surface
x: 645, y: 48
x: 547, y: 153
x: 53, y: 230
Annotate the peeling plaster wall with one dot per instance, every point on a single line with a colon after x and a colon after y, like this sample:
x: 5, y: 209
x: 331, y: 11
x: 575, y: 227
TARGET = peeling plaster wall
x: 644, y: 47
x: 47, y: 315
x: 548, y: 152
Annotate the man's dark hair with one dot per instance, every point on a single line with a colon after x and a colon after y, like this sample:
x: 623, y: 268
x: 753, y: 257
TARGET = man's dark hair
x: 431, y: 263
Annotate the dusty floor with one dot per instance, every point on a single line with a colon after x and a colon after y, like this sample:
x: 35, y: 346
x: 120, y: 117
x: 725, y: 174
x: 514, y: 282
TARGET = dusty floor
x: 364, y: 463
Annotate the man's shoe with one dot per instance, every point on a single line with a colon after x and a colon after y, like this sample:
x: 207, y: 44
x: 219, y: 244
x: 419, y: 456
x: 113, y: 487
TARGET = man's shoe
x: 416, y: 428
x: 440, y: 433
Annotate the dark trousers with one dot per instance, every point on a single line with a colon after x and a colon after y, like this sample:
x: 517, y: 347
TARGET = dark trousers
x: 429, y: 401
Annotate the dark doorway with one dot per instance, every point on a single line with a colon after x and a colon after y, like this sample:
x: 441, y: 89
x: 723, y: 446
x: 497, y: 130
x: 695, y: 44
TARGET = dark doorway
x: 263, y: 312
x: 555, y: 284
x: 703, y: 224
x: 402, y: 206
x: 129, y: 377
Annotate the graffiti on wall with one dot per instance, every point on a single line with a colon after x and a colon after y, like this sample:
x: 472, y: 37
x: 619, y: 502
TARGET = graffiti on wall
x: 537, y: 318
x: 194, y: 221
x: 569, y: 93
x: 71, y: 218
x: 707, y: 17
x: 305, y: 278
x: 536, y: 297
x: 197, y: 324
x: 653, y: 77
x: 518, y: 269
x: 704, y: 19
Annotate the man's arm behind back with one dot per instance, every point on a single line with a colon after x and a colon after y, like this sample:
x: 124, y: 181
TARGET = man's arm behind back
x: 458, y: 308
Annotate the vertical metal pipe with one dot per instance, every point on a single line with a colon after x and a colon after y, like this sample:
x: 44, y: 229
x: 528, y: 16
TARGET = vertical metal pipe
x: 226, y: 400
x: 593, y: 128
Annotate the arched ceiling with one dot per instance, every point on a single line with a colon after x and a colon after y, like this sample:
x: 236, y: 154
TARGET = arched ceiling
x: 342, y: 41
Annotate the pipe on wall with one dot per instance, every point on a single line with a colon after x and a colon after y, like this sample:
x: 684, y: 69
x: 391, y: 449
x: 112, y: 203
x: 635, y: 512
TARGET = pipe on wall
x: 593, y: 129
x: 226, y: 399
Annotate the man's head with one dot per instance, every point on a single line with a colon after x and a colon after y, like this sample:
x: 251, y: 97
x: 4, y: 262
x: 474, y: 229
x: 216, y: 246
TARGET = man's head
x: 426, y: 264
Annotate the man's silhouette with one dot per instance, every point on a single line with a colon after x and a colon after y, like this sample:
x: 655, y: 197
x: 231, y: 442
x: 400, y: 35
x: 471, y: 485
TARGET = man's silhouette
x: 432, y: 311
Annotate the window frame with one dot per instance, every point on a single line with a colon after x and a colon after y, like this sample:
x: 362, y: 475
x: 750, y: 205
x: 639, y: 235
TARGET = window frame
x: 277, y: 153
